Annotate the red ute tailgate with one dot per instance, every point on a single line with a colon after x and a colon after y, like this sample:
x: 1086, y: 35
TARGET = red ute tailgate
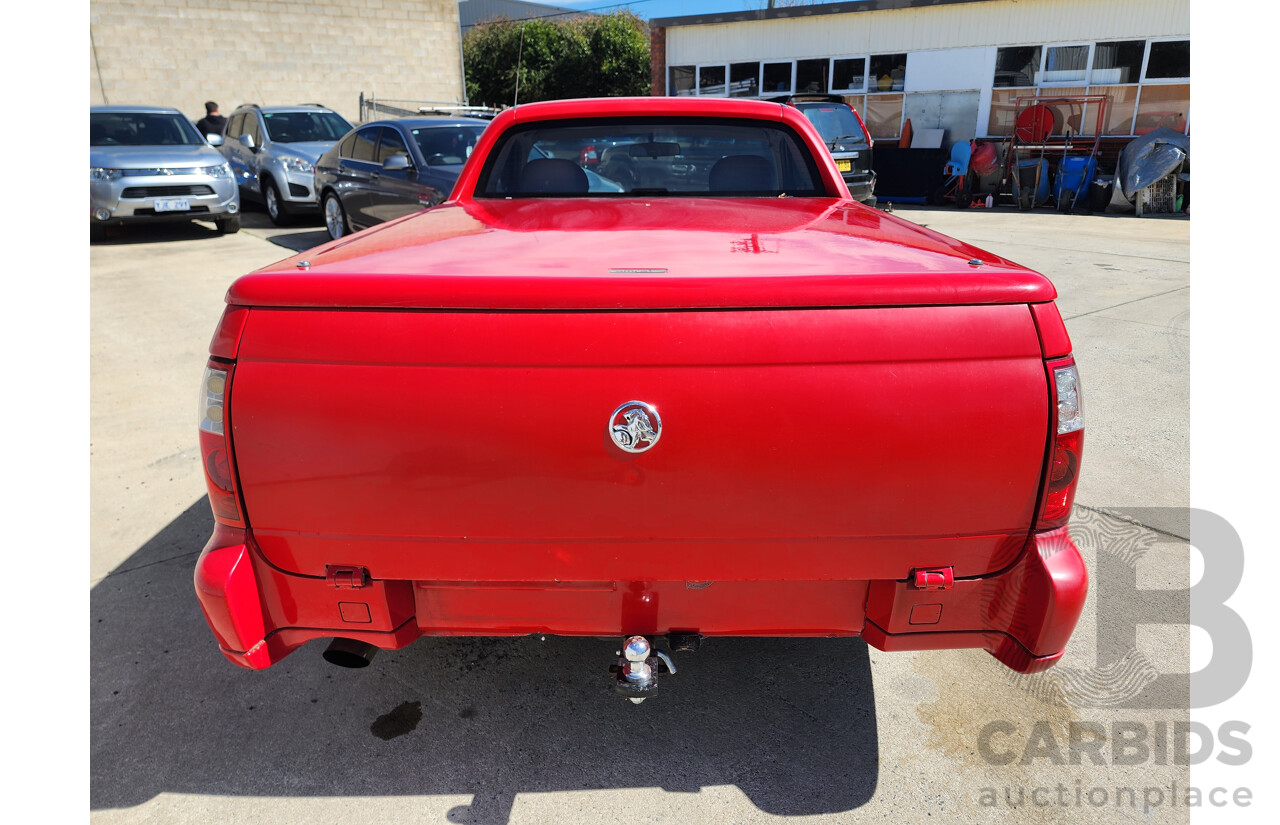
x: 796, y: 444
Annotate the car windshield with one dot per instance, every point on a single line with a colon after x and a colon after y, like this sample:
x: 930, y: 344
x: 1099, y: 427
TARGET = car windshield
x: 141, y: 129
x: 653, y: 157
x: 446, y: 145
x: 298, y: 127
x: 835, y: 122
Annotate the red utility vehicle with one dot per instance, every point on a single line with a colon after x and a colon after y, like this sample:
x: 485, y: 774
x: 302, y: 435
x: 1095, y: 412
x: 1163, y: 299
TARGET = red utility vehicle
x: 724, y: 400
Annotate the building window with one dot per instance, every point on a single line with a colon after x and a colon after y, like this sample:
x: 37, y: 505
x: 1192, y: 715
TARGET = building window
x: 811, y: 75
x: 1169, y: 59
x: 711, y: 80
x: 1145, y: 83
x: 1071, y: 117
x: 883, y: 116
x: 681, y: 81
x: 1000, y: 121
x: 1065, y: 64
x: 777, y: 78
x: 744, y: 80
x: 1162, y: 106
x: 858, y: 103
x: 1120, y: 105
x: 888, y: 72
x: 1017, y: 66
x: 1117, y: 62
x: 848, y: 74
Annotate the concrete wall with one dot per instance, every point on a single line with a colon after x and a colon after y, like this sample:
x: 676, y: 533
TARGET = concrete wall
x: 184, y: 52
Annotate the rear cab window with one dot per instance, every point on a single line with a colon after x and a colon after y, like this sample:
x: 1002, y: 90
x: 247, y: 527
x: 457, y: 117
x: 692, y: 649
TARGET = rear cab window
x: 678, y: 156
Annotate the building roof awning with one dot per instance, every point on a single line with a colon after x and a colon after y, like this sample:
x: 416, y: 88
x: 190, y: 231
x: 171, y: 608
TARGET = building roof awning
x: 800, y: 11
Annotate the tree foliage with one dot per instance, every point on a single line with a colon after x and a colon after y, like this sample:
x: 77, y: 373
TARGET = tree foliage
x: 602, y: 55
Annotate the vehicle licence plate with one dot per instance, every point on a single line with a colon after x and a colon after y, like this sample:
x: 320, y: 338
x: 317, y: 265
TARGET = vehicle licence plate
x: 173, y: 205
x: 844, y: 165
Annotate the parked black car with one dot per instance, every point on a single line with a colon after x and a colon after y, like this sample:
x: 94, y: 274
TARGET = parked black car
x: 389, y: 168
x: 846, y: 136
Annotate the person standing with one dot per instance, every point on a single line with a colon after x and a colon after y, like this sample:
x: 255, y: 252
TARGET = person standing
x: 212, y: 123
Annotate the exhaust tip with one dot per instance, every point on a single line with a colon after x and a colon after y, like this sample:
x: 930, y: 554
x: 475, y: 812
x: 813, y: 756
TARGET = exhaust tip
x: 349, y: 653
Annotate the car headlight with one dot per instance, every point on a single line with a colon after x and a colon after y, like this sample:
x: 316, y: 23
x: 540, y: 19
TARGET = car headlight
x: 220, y: 171
x: 104, y: 174
x: 297, y: 165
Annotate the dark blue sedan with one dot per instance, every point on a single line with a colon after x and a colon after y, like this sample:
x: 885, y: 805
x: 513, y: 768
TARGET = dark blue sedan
x: 389, y: 168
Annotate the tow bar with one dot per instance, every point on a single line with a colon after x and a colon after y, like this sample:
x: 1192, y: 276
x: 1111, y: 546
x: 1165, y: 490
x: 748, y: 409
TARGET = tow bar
x: 638, y: 667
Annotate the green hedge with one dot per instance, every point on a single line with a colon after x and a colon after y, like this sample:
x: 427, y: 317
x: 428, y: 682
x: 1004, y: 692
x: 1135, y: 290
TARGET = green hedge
x: 602, y: 55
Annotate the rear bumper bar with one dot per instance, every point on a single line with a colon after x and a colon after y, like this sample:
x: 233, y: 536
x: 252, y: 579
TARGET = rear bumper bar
x: 1023, y: 615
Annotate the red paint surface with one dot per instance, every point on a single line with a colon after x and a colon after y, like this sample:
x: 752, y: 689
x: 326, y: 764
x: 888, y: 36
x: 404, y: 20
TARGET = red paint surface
x: 1053, y: 333
x: 697, y: 252
x: 1023, y: 616
x: 845, y: 398
x: 830, y: 443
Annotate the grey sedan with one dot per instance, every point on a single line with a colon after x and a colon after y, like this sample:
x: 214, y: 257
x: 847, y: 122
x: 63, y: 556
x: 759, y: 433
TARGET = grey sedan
x: 148, y: 163
x: 389, y: 168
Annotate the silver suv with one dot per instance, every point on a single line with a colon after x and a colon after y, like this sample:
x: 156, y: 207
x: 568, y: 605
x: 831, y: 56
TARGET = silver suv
x: 273, y: 149
x: 148, y: 164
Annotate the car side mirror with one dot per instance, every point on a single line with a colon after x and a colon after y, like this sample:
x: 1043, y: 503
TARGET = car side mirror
x: 246, y: 140
x: 396, y: 161
x: 214, y: 140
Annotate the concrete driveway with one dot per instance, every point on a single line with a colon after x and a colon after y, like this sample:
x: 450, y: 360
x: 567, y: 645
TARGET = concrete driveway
x: 526, y: 730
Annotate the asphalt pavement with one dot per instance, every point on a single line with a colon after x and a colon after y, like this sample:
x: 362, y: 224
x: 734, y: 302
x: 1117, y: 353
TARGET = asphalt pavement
x: 526, y: 729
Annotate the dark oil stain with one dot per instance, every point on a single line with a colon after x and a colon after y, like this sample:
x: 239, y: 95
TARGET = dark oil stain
x: 466, y: 713
x: 398, y: 722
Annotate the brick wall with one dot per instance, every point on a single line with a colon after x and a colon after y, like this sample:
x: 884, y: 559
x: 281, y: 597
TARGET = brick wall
x: 658, y: 60
x: 183, y: 52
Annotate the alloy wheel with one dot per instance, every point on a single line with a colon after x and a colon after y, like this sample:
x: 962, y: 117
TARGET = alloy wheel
x: 273, y: 204
x: 333, y: 218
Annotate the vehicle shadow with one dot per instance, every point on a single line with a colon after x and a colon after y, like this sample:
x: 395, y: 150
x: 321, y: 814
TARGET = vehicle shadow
x: 299, y: 235
x: 299, y: 241
x: 126, y: 234
x: 791, y: 722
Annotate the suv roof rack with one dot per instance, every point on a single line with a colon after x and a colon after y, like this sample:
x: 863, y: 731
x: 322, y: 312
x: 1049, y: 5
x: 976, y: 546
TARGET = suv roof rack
x: 460, y: 110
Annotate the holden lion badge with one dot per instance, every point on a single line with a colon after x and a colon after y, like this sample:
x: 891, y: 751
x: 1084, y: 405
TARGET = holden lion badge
x: 635, y: 426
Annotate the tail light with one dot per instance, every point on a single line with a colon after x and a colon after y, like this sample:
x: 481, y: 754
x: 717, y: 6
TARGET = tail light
x: 1063, y: 471
x: 215, y: 446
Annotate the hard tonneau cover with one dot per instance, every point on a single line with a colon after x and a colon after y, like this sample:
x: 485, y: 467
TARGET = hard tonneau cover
x: 630, y: 254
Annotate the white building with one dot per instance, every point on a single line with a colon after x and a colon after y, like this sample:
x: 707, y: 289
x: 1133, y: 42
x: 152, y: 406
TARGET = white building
x: 953, y: 64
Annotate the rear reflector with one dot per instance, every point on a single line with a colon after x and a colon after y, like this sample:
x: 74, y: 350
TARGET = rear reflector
x: 1063, y: 471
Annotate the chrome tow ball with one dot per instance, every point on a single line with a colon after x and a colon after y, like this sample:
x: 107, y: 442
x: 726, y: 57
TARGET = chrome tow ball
x: 638, y: 667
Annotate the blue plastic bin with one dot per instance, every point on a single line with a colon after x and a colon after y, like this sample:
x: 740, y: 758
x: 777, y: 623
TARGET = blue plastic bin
x: 1074, y: 175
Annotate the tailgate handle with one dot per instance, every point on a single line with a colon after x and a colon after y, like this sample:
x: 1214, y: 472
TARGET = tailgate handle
x: 934, y: 578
